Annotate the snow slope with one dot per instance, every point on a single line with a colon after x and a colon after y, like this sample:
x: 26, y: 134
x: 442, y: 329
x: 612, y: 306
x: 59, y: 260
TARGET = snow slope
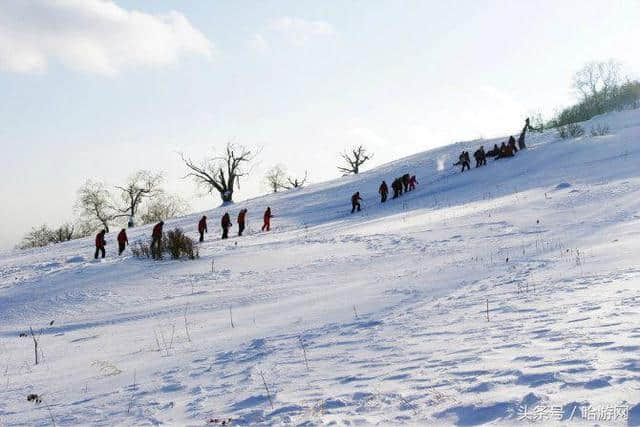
x: 462, y: 302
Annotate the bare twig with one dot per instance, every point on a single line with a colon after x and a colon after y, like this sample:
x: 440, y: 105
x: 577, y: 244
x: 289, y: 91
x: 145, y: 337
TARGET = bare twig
x: 186, y: 323
x: 133, y: 388
x: 53, y: 421
x: 304, y: 353
x: 35, y: 343
x: 266, y: 388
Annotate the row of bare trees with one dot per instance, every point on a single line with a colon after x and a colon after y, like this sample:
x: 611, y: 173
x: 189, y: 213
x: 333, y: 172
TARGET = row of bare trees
x: 142, y: 190
x: 278, y: 179
x: 221, y: 173
x: 142, y: 199
x: 601, y: 87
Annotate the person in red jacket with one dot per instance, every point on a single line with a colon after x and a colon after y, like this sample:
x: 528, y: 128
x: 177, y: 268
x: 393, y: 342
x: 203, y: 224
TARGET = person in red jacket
x: 123, y: 241
x: 202, y: 227
x: 100, y: 242
x: 226, y: 224
x: 156, y: 240
x: 412, y: 182
x: 355, y: 202
x: 242, y: 216
x: 267, y: 219
x: 383, y: 191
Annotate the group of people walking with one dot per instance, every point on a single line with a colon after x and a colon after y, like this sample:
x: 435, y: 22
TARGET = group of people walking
x: 400, y: 185
x: 226, y: 223
x: 122, y: 239
x: 156, y: 233
x: 403, y: 184
x: 508, y: 149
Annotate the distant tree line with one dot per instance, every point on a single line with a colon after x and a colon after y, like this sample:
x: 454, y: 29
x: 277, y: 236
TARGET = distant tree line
x: 99, y: 207
x: 602, y: 87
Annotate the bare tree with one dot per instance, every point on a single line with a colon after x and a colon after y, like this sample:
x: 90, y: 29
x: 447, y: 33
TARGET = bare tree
x: 94, y: 203
x: 596, y: 82
x: 276, y: 178
x: 142, y: 185
x: 354, y: 158
x: 36, y: 238
x: 221, y: 173
x: 596, y: 77
x: 163, y: 207
x: 296, y: 182
x: 64, y: 233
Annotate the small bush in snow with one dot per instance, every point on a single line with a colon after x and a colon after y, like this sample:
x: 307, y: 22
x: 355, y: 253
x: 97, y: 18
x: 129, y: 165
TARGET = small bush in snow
x: 600, y: 130
x: 178, y: 245
x: 175, y: 242
x: 141, y: 250
x: 572, y: 130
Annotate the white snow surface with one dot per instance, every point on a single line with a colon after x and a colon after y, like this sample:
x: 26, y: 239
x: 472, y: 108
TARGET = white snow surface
x: 459, y: 303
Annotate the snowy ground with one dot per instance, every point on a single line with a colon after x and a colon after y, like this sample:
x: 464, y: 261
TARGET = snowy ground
x: 504, y: 295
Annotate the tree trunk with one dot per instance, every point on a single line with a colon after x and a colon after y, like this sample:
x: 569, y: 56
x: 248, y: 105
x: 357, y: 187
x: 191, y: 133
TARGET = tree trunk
x: 226, y: 196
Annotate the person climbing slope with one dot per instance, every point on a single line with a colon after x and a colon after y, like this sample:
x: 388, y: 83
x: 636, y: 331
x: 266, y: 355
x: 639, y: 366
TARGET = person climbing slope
x: 156, y: 240
x: 383, y: 191
x: 242, y: 216
x: 267, y: 220
x: 226, y: 224
x: 412, y: 182
x: 202, y: 227
x: 355, y: 202
x: 123, y: 241
x: 100, y: 243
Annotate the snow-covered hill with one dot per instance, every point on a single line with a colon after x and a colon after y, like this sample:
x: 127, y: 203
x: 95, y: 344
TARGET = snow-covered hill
x: 503, y: 293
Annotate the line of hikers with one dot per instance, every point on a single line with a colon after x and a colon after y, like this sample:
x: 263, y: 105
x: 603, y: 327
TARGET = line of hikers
x: 404, y: 184
x: 507, y: 149
x: 400, y: 185
x: 156, y: 233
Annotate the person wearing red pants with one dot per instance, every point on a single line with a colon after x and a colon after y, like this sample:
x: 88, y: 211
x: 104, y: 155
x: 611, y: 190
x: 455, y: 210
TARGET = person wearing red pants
x: 267, y: 220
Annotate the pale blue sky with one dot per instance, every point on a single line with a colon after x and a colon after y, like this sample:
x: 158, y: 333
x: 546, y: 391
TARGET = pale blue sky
x: 95, y: 91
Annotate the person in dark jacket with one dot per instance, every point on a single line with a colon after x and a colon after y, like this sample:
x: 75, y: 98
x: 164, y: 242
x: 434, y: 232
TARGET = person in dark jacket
x: 505, y: 151
x: 527, y: 126
x: 100, y: 243
x: 355, y: 202
x: 512, y: 144
x: 156, y: 241
x: 202, y: 227
x: 383, y: 191
x: 242, y: 217
x: 480, y: 157
x: 463, y: 159
x: 521, y: 144
x: 394, y: 187
x: 226, y: 224
x: 266, y: 226
x: 123, y: 241
x: 493, y: 152
x: 405, y: 181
